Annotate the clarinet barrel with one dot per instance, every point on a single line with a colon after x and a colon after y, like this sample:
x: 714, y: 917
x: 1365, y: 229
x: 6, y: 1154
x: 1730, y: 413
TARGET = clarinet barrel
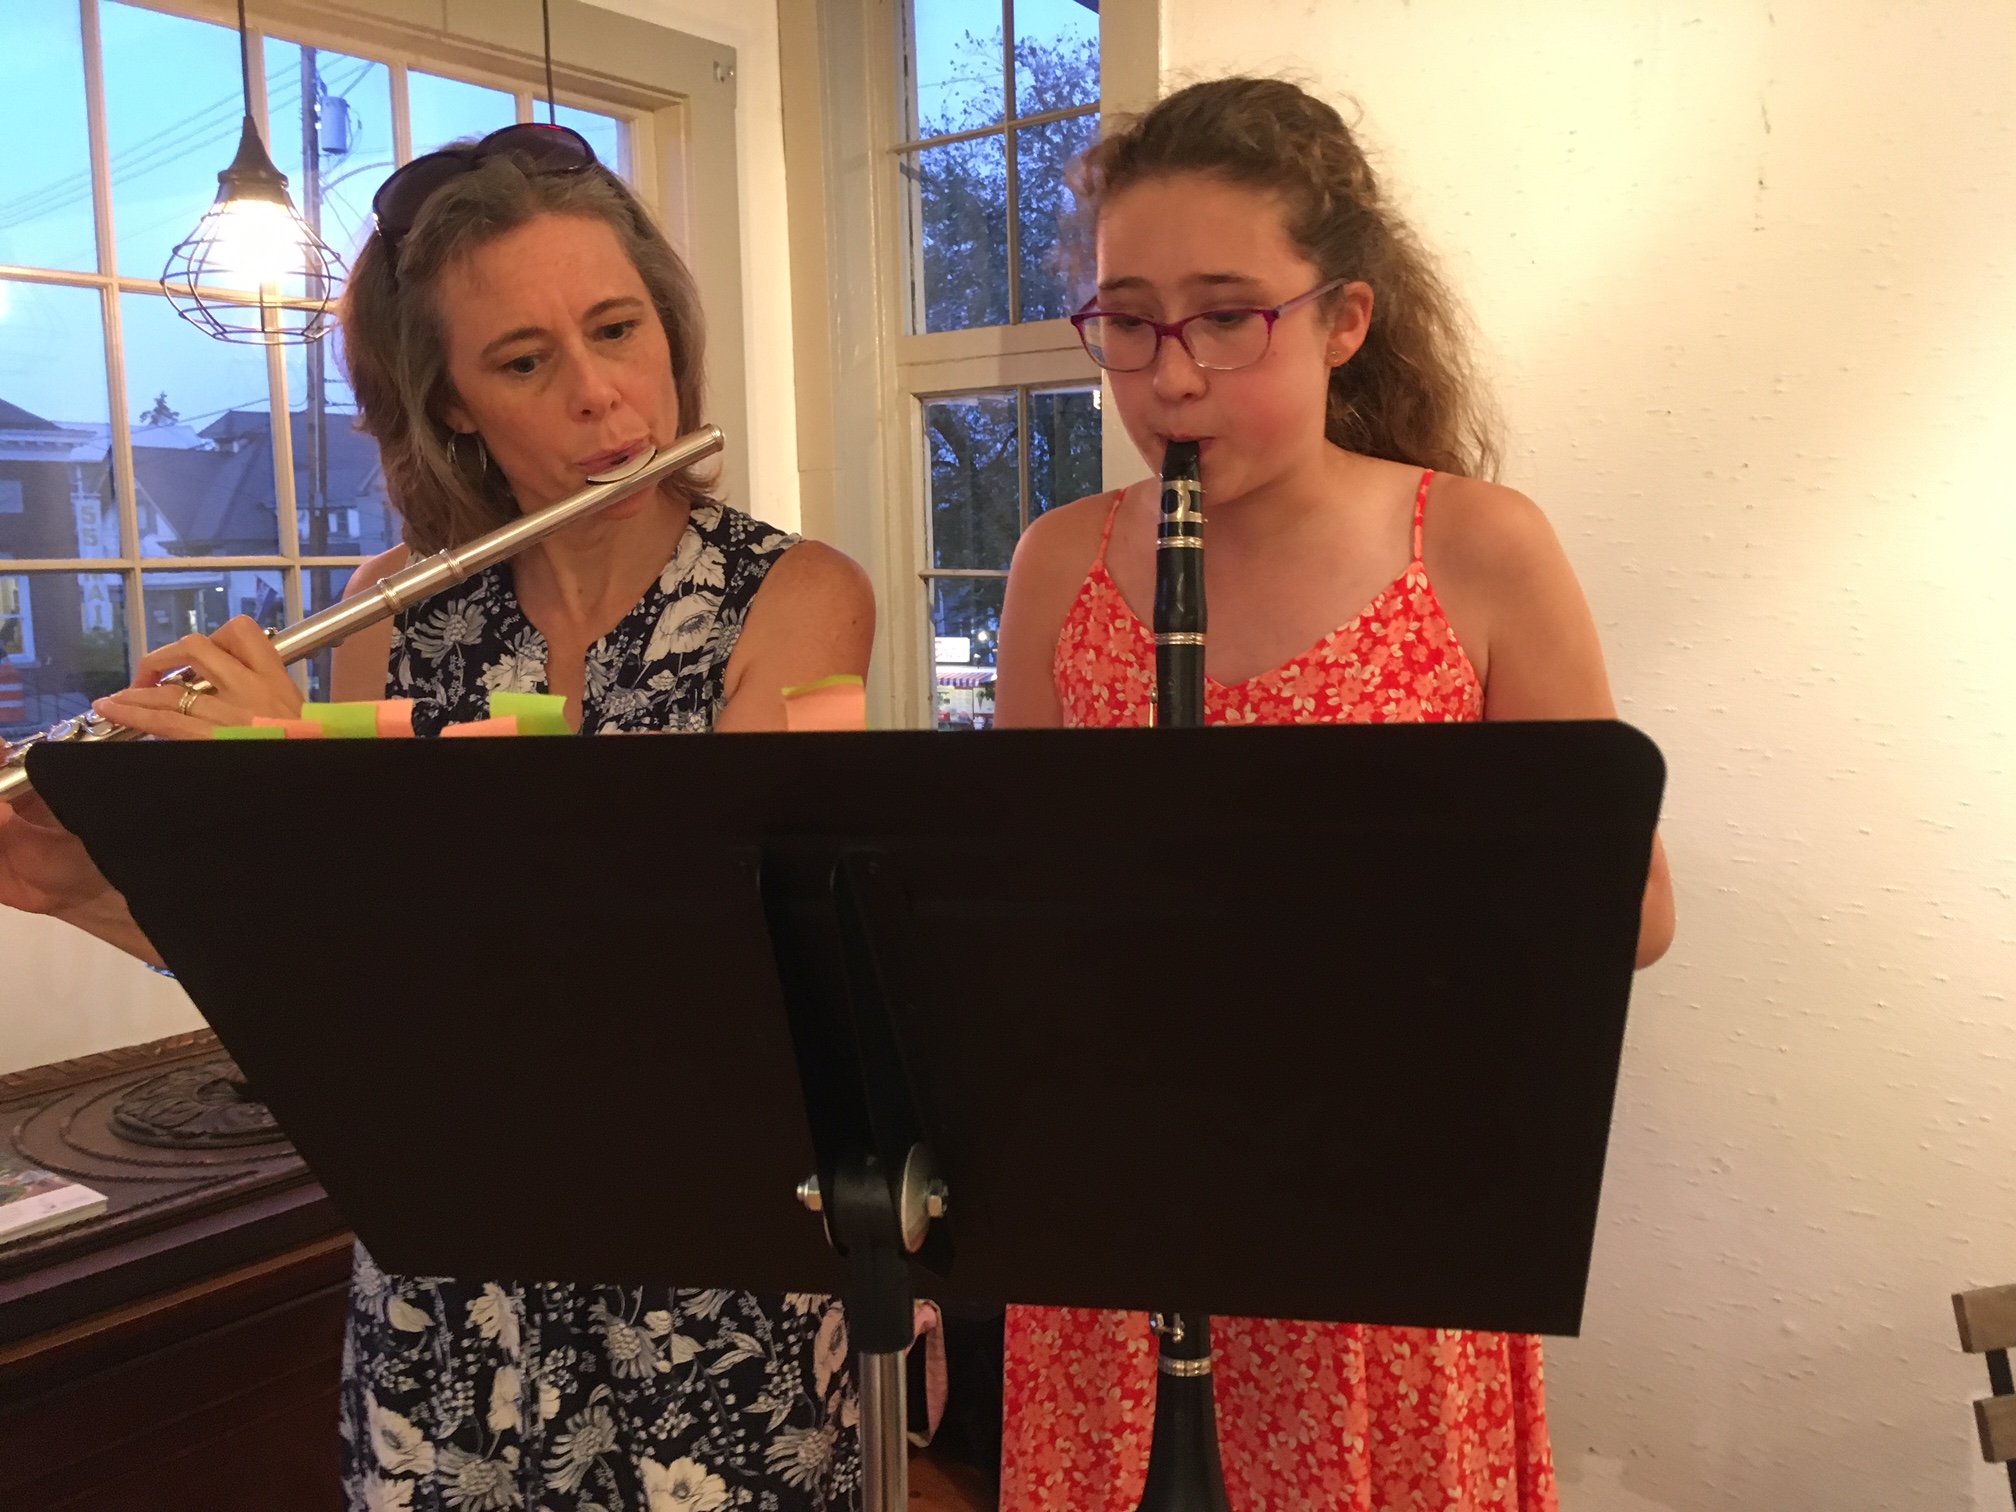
x: 1184, y: 1471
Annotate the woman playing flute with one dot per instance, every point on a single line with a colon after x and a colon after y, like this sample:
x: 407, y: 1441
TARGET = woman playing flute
x: 1257, y: 295
x: 514, y: 325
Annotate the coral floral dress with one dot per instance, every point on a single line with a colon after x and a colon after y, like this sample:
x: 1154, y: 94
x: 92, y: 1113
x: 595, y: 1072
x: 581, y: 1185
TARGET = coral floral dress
x: 1310, y: 1415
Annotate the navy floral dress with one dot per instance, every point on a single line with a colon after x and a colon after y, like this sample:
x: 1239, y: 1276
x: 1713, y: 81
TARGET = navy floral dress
x: 481, y: 1396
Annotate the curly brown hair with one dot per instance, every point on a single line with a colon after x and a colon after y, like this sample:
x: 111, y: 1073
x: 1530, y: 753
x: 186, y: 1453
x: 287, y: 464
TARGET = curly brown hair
x: 1411, y: 393
x: 398, y: 363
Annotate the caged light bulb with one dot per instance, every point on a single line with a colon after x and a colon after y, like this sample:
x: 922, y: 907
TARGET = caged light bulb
x: 251, y: 241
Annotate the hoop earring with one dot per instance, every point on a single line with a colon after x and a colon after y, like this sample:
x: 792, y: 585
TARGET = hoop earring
x: 455, y: 452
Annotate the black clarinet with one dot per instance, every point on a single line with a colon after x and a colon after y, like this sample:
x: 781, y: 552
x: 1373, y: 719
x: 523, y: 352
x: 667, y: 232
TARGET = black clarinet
x: 1179, y: 592
x: 1184, y: 1471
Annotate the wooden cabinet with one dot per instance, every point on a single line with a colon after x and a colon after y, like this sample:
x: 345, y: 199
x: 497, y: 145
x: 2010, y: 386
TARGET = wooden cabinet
x: 182, y: 1350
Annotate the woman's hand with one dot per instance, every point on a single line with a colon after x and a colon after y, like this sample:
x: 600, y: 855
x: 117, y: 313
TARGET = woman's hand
x: 238, y: 661
x: 44, y: 869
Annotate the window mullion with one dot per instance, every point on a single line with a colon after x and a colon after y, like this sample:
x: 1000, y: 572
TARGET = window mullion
x: 1008, y: 157
x: 125, y: 492
x: 1022, y: 459
x: 402, y: 120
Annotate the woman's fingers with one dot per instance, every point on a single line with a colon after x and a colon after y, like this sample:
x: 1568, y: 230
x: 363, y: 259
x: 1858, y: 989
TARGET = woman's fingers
x: 159, y: 712
x: 245, y: 640
x: 238, y: 661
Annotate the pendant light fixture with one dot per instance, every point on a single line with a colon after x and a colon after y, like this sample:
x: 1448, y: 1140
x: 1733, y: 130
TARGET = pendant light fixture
x: 253, y: 270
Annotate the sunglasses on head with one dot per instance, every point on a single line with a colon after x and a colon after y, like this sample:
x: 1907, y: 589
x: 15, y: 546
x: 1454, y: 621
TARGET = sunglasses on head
x: 539, y: 150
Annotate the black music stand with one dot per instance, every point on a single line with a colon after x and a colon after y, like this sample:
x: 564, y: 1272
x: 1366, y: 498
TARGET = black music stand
x: 1161, y: 1005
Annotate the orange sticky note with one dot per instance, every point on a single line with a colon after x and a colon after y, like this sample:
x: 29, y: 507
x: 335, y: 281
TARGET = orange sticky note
x: 395, y: 719
x: 293, y: 729
x: 839, y: 702
x: 508, y: 725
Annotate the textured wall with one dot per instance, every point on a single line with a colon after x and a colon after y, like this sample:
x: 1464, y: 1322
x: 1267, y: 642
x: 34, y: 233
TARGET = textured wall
x: 1744, y: 278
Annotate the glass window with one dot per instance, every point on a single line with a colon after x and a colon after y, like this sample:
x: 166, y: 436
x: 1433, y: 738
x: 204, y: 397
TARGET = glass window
x: 987, y: 243
x: 62, y: 644
x: 604, y: 133
x: 976, y: 495
x: 1056, y: 55
x: 349, y: 126
x: 995, y: 461
x: 447, y: 110
x: 55, y: 430
x: 965, y: 625
x: 1064, y: 446
x: 45, y: 199
x: 955, y: 68
x: 202, y: 437
x: 961, y: 205
x: 174, y: 103
x: 1052, y: 286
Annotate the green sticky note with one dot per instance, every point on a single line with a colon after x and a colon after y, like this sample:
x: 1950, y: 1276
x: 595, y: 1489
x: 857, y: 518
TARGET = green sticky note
x: 536, y: 713
x: 344, y: 721
x: 247, y: 732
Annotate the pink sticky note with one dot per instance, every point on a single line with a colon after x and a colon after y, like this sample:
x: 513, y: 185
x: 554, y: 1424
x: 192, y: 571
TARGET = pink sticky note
x: 395, y: 719
x: 295, y: 729
x: 505, y: 726
x: 838, y: 706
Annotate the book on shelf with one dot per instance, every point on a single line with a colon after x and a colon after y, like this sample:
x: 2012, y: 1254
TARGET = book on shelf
x: 33, y: 1201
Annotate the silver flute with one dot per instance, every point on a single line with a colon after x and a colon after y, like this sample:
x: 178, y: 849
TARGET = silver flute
x: 408, y: 586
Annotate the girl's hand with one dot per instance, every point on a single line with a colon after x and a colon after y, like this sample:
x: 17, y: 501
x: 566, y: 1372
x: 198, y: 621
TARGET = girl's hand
x: 238, y: 661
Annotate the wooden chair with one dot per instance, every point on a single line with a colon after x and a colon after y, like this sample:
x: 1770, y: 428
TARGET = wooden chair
x: 1987, y: 1320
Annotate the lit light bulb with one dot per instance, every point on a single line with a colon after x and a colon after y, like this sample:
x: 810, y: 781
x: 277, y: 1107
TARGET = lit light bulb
x: 256, y: 243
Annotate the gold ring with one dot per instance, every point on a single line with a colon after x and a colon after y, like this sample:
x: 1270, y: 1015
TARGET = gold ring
x: 188, y: 699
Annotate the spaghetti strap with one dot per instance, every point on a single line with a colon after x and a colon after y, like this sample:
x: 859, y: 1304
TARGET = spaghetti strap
x: 1114, y: 514
x: 1420, y: 510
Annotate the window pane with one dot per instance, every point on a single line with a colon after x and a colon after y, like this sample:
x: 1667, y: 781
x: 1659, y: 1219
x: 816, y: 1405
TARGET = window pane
x: 1056, y: 55
x: 174, y: 100
x: 352, y: 128
x: 45, y: 188
x: 605, y: 134
x: 321, y: 587
x: 957, y: 60
x: 959, y: 234
x: 62, y: 644
x: 446, y: 110
x: 1051, y: 286
x: 202, y: 446
x: 965, y: 624
x: 976, y: 509
x: 200, y: 603
x: 55, y: 428
x: 339, y: 488
x: 1064, y: 441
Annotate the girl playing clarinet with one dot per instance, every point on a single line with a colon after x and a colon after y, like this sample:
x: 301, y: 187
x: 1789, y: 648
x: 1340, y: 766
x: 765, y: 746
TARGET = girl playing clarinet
x: 1257, y: 294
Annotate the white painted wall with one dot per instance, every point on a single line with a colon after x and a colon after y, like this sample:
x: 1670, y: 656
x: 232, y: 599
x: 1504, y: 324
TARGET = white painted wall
x: 62, y: 994
x: 750, y: 27
x: 1746, y: 274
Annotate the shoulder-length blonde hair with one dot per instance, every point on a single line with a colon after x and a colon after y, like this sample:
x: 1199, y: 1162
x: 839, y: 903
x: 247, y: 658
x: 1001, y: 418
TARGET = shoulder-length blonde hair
x: 397, y: 357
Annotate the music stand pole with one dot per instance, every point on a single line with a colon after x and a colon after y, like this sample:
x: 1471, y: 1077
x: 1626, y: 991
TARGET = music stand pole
x: 836, y: 935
